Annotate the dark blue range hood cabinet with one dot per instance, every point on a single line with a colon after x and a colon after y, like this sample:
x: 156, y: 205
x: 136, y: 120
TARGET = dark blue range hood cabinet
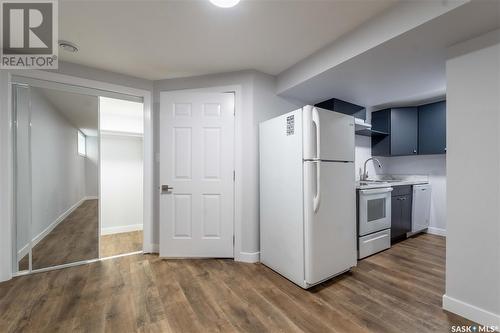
x: 359, y: 113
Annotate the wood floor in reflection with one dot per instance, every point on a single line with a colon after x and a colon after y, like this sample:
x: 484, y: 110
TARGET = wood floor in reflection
x: 398, y: 290
x: 74, y: 239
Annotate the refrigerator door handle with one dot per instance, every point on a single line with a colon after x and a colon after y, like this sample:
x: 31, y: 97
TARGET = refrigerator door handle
x: 315, y: 120
x: 317, y: 196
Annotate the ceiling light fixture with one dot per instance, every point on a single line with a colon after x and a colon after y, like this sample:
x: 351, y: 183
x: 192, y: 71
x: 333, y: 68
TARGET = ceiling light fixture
x: 68, y: 46
x: 225, y: 3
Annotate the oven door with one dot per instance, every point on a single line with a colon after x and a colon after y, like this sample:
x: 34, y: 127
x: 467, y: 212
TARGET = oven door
x: 374, y: 210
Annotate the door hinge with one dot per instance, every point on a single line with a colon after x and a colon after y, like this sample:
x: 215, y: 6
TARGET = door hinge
x: 233, y: 240
x: 234, y: 175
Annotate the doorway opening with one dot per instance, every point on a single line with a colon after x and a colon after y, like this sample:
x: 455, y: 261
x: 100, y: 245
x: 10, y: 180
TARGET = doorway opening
x: 121, y: 164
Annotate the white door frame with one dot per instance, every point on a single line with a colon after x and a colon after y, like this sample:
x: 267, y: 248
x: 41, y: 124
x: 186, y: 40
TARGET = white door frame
x: 6, y: 177
x: 238, y: 151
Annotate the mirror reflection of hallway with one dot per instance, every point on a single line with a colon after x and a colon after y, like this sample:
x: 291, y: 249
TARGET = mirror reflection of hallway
x: 56, y: 177
x: 121, y: 142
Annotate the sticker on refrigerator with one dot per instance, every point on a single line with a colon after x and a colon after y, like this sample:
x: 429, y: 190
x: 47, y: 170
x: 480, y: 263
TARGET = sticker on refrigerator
x: 290, y: 125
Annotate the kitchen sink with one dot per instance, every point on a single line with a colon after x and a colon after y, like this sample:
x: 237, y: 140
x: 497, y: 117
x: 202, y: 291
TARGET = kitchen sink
x: 372, y: 182
x: 375, y: 181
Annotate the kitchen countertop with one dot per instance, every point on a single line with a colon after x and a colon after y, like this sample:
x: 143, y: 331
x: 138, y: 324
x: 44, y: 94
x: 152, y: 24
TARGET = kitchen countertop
x: 392, y: 180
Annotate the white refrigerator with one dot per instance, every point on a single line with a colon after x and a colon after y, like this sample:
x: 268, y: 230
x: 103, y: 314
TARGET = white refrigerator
x: 307, y: 195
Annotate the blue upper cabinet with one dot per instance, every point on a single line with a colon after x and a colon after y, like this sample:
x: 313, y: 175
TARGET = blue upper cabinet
x: 404, y: 132
x: 432, y: 128
x: 401, y: 124
x: 410, y: 130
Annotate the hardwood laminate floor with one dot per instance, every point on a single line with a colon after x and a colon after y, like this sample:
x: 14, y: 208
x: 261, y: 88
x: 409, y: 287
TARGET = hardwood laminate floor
x: 125, y: 242
x: 398, y: 290
x: 74, y: 239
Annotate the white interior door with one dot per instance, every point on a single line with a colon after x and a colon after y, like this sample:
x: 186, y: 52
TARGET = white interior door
x: 196, y: 174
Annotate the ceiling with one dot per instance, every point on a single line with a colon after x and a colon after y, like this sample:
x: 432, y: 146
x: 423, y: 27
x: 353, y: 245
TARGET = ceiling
x: 165, y: 39
x: 407, y: 70
x: 80, y: 110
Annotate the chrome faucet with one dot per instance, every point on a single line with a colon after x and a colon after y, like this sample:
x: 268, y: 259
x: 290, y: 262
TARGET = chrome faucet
x: 365, y: 173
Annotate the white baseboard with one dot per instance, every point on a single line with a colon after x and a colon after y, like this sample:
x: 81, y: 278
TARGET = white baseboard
x: 248, y: 257
x: 120, y: 229
x: 471, y: 312
x: 54, y: 224
x: 151, y: 248
x: 91, y: 197
x: 436, y: 231
x: 25, y: 249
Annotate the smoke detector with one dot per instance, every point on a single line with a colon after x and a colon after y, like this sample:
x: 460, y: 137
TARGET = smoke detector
x: 68, y: 46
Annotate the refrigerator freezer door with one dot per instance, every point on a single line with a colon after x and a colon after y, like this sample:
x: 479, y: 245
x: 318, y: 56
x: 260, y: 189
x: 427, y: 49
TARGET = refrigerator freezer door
x: 328, y: 135
x: 330, y: 232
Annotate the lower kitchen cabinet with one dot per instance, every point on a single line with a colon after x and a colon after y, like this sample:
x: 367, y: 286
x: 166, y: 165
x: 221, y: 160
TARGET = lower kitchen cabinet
x: 400, y: 212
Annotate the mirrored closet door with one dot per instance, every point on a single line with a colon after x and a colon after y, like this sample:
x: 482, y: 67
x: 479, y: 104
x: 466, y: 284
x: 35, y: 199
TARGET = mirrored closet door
x: 56, y: 177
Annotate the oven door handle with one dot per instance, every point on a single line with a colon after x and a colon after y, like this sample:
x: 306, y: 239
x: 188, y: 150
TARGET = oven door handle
x: 376, y: 191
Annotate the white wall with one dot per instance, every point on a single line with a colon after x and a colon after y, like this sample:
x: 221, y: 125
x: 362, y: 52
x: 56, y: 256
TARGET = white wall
x: 363, y: 152
x: 121, y: 183
x: 91, y: 167
x: 258, y: 102
x: 267, y: 105
x: 473, y: 190
x: 100, y: 75
x: 58, y: 172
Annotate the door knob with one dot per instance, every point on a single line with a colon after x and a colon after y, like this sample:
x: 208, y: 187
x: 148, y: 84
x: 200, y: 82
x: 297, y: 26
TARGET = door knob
x: 166, y: 189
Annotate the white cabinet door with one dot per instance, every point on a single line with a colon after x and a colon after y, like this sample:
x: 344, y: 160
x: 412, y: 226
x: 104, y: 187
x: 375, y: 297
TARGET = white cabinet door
x: 421, y: 208
x: 197, y: 164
